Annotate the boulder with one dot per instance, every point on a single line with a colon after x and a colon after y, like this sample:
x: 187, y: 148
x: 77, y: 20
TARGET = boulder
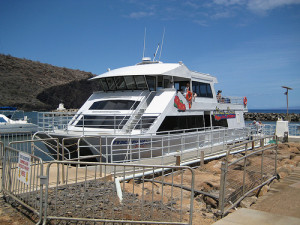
x: 248, y: 201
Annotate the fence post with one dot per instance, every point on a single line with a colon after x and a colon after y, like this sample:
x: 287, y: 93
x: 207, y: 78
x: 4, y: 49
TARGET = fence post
x: 222, y: 188
x: 202, y: 157
x: 178, y: 160
x: 262, y: 142
x: 244, y: 172
x: 262, y: 167
x: 276, y: 150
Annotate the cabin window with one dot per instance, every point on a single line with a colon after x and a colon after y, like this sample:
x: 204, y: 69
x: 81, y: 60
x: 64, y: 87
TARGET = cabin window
x: 181, y: 122
x: 181, y: 85
x: 166, y: 83
x: 151, y: 81
x: 111, y: 83
x: 221, y: 123
x: 140, y: 82
x: 145, y: 122
x: 159, y: 82
x: 104, y: 122
x: 104, y: 84
x: 120, y: 82
x: 130, y: 83
x: 202, y: 89
x: 207, y: 119
x: 115, y: 105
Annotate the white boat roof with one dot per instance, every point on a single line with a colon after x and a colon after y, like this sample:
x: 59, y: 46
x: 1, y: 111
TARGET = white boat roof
x: 158, y: 68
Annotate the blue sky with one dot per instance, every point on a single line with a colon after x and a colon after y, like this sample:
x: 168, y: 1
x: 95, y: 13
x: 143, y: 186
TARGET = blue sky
x: 251, y: 46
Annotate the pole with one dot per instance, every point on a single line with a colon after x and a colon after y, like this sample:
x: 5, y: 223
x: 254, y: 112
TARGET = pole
x: 287, y: 104
x: 287, y: 101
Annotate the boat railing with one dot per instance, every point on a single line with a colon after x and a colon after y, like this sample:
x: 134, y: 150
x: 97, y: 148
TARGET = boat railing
x: 136, y: 115
x: 270, y: 129
x: 186, y: 143
x: 231, y: 100
x: 60, y: 121
x: 51, y: 121
x: 132, y: 110
x: 294, y: 129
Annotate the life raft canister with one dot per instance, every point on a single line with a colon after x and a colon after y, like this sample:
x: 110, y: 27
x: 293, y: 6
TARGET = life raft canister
x: 245, y: 101
x: 189, y: 96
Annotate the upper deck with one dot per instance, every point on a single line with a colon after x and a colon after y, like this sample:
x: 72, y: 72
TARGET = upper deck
x: 151, y: 76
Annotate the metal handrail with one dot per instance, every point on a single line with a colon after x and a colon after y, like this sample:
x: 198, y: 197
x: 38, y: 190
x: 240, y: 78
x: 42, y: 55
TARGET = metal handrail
x: 132, y: 111
x: 139, y: 108
x: 231, y: 100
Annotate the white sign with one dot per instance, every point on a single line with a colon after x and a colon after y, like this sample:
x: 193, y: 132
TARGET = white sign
x: 24, y: 168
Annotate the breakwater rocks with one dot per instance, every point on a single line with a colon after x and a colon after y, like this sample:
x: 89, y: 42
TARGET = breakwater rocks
x: 271, y: 116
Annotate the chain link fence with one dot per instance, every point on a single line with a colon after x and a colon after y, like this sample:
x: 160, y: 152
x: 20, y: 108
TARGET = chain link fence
x: 246, y: 171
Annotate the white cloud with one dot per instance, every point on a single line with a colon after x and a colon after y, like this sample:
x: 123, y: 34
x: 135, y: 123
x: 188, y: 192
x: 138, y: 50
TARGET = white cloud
x: 138, y: 15
x: 225, y: 14
x: 229, y: 2
x: 266, y: 5
x: 202, y: 23
x: 201, y: 12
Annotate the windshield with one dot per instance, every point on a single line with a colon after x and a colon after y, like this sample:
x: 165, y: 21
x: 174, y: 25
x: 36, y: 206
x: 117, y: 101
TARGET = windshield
x: 114, y: 105
x: 124, y: 83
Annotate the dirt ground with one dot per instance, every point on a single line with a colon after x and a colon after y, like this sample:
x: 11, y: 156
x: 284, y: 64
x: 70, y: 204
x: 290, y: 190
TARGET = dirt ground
x: 207, y: 178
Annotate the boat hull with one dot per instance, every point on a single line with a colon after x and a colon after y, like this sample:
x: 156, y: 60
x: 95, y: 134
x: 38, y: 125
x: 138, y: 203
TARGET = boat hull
x: 18, y: 128
x: 121, y: 149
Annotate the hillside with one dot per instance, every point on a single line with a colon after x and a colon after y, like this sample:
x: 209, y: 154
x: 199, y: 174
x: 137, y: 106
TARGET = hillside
x: 32, y: 85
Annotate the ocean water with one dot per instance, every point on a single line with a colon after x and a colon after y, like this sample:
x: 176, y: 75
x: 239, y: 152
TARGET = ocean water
x: 297, y: 111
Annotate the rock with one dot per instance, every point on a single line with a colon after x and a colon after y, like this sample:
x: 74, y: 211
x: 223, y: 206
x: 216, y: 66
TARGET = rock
x: 297, y: 158
x: 285, y: 170
x: 248, y: 201
x: 210, y: 202
x: 262, y: 191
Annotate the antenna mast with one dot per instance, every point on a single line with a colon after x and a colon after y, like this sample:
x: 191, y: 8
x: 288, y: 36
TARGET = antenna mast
x: 162, y: 43
x: 156, y: 52
x: 144, y: 43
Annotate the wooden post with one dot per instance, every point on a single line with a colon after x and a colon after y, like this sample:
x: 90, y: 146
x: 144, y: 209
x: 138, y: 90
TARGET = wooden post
x: 178, y: 160
x: 202, y: 157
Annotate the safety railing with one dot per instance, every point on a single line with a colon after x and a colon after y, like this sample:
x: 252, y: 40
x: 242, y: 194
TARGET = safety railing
x: 150, y: 195
x: 98, y: 192
x: 270, y: 129
x: 137, y: 113
x: 21, y: 179
x: 186, y: 143
x: 243, y: 173
x: 75, y: 148
x: 86, y: 124
x: 37, y: 148
x: 231, y: 100
x: 50, y: 121
x: 294, y: 129
x: 5, y: 139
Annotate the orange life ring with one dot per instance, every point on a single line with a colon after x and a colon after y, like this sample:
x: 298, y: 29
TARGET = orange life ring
x: 189, y: 96
x: 245, y: 101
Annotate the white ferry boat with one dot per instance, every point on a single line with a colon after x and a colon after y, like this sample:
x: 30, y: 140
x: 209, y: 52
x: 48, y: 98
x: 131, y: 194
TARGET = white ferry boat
x: 149, y: 110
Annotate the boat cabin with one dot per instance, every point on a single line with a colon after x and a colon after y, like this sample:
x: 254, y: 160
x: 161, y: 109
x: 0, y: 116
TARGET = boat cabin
x: 153, y: 97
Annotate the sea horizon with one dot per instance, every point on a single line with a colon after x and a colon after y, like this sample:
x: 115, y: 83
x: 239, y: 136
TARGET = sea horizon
x: 292, y: 110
